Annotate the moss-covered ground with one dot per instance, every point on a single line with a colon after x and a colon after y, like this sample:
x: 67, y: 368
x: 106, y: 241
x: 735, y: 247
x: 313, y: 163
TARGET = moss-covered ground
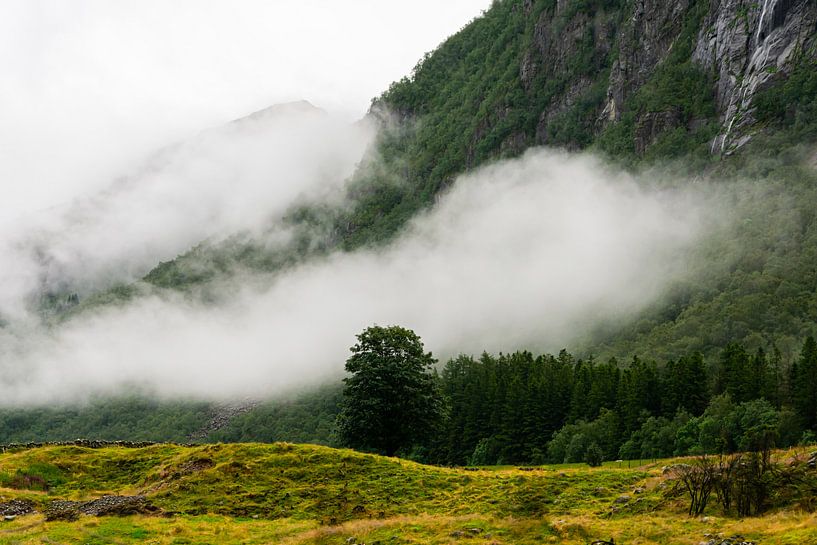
x: 298, y: 494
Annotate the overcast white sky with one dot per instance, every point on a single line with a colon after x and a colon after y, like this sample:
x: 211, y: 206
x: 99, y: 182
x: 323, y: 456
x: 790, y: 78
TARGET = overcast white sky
x: 89, y: 87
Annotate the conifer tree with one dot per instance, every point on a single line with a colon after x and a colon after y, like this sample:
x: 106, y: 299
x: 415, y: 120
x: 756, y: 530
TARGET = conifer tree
x: 805, y: 384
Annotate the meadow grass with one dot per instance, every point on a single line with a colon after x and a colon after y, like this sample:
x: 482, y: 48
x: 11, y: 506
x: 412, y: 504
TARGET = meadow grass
x: 303, y: 494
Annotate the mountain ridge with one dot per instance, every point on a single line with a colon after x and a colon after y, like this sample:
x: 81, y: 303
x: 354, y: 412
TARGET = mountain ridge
x: 646, y: 84
x: 641, y: 83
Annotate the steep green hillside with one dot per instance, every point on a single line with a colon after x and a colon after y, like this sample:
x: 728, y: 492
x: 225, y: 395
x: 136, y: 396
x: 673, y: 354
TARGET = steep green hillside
x: 652, y: 88
x: 638, y: 84
x: 304, y: 417
x: 756, y: 283
x: 136, y: 418
x: 506, y: 82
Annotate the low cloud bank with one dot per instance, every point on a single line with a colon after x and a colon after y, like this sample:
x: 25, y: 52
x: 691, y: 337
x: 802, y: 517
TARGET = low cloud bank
x: 242, y: 176
x: 527, y: 253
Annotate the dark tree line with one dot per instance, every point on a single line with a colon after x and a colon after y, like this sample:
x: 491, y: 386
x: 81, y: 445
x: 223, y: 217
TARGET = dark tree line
x: 513, y: 408
x: 520, y: 408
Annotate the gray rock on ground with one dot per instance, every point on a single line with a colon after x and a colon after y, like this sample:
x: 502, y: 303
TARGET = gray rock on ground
x: 104, y: 506
x: 16, y: 508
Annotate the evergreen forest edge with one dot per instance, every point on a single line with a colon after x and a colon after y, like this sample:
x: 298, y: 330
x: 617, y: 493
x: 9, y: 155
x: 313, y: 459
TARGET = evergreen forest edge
x: 514, y: 408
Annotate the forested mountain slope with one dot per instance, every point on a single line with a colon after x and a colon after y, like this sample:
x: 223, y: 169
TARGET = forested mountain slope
x: 711, y: 92
x: 637, y: 80
x: 723, y: 90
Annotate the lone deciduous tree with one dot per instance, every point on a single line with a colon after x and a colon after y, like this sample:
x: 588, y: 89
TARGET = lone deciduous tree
x: 391, y: 398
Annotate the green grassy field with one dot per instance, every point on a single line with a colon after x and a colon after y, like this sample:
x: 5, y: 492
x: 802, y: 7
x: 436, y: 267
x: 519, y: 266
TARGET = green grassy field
x: 299, y: 494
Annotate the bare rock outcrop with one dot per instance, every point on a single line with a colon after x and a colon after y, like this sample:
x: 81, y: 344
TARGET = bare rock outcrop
x: 746, y: 46
x: 750, y: 45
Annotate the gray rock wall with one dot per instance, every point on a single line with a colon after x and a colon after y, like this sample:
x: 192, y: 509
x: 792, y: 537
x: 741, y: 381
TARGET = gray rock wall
x: 747, y: 45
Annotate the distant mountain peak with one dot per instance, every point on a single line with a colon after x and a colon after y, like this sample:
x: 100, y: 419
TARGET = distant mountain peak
x: 285, y: 108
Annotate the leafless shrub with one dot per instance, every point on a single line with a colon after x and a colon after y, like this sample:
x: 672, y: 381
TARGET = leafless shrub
x: 698, y: 479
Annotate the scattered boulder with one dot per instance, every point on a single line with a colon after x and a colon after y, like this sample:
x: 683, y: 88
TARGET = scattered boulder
x: 15, y: 508
x: 85, y: 443
x: 812, y: 460
x: 639, y: 490
x: 734, y: 540
x: 104, y: 506
x: 624, y: 498
x: 118, y: 505
x: 187, y: 468
x: 9, y: 518
x: 62, y: 510
x: 194, y: 466
x: 467, y: 532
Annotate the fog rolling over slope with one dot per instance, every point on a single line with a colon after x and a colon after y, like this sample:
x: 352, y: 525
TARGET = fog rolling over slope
x: 238, y: 177
x: 527, y: 253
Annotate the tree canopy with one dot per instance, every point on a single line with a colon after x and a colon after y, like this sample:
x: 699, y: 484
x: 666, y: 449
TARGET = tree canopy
x: 391, y: 398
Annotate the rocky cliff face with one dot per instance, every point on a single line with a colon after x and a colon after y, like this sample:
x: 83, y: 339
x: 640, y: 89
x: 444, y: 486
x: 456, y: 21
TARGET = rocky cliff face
x: 744, y: 46
x: 749, y: 46
x: 646, y: 37
x: 562, y: 39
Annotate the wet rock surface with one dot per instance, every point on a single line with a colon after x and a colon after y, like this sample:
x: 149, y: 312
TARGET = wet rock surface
x: 746, y: 46
x: 749, y: 46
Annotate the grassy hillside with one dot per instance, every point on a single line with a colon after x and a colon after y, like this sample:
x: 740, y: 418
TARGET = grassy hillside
x: 283, y: 493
